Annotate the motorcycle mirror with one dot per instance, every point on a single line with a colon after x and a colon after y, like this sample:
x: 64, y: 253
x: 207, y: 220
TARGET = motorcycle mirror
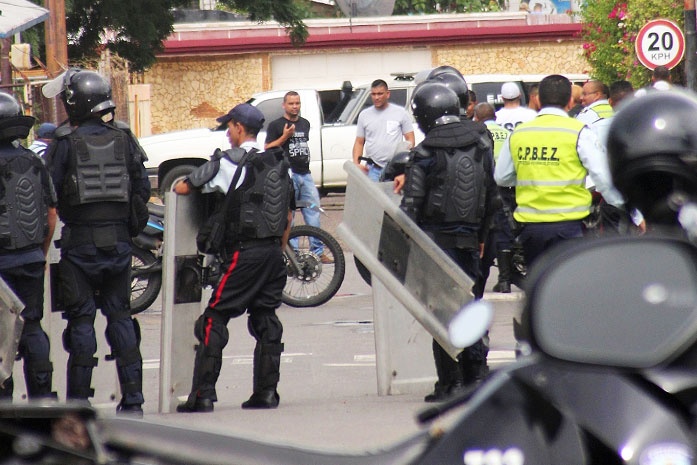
x: 626, y: 302
x: 470, y: 323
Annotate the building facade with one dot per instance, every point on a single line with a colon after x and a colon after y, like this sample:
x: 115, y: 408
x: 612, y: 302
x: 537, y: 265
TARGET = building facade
x: 206, y: 68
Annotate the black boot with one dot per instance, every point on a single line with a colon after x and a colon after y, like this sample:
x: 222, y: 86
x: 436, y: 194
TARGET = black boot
x: 450, y: 379
x: 267, y: 364
x: 503, y: 257
x: 38, y: 376
x: 206, y: 371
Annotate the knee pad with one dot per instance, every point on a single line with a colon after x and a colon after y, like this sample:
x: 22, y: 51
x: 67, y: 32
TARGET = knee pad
x: 74, y: 289
x: 264, y: 326
x: 73, y: 323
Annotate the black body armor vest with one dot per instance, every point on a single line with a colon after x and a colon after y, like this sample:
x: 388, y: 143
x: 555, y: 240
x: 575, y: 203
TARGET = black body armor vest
x: 457, y: 192
x: 97, y: 184
x: 23, y: 213
x: 260, y: 209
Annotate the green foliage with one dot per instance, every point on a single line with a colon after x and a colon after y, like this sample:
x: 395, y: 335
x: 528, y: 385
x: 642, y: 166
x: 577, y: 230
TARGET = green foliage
x: 285, y: 12
x: 135, y: 29
x: 408, y: 7
x: 610, y: 28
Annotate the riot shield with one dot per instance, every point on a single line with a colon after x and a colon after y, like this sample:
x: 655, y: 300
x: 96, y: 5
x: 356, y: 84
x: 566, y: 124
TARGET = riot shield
x: 410, y: 266
x: 182, y: 296
x: 11, y: 324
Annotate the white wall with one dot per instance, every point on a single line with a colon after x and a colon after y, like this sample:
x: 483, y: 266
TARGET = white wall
x: 329, y: 70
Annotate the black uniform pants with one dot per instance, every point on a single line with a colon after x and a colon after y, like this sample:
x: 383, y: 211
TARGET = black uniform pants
x: 82, y: 271
x: 252, y: 283
x: 27, y: 282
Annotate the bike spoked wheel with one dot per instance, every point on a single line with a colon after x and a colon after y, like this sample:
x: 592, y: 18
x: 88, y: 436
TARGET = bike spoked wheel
x: 320, y: 275
x: 144, y: 288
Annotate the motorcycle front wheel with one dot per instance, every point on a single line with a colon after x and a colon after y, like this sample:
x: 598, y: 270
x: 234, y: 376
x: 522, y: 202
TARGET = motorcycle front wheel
x: 314, y: 276
x: 145, y: 287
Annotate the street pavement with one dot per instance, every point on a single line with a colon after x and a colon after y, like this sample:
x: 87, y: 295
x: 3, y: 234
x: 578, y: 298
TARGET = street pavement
x: 328, y: 384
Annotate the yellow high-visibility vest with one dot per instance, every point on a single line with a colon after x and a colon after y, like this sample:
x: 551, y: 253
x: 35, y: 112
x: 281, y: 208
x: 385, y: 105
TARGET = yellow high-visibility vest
x: 499, y: 134
x: 604, y: 110
x: 550, y: 184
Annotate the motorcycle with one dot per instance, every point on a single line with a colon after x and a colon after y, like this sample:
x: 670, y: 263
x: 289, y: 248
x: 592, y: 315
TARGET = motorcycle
x: 604, y: 378
x: 146, y: 263
x: 313, y: 279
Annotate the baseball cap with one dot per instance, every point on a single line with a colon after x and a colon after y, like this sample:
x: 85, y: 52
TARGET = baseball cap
x: 510, y: 90
x: 46, y: 131
x: 245, y: 114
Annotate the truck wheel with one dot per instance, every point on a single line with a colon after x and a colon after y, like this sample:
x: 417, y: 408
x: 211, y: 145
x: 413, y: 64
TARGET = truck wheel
x: 172, y: 175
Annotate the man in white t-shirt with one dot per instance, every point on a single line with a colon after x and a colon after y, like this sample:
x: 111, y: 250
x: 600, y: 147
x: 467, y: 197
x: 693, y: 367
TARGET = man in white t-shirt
x: 512, y: 113
x: 380, y: 129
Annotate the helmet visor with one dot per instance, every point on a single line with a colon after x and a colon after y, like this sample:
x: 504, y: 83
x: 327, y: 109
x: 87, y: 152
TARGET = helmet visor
x: 58, y: 84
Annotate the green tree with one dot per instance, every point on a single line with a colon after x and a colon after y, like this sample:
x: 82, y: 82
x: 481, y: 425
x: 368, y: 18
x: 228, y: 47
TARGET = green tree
x: 136, y: 29
x: 609, y: 32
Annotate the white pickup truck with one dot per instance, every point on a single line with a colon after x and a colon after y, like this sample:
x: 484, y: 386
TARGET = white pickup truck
x: 332, y: 115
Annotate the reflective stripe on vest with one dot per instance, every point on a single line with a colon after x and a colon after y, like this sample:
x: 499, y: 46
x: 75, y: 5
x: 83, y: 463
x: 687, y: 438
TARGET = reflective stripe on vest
x: 550, y: 184
x: 603, y: 110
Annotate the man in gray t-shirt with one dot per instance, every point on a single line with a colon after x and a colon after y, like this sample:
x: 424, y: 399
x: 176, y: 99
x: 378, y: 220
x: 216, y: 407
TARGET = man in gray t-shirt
x: 380, y: 128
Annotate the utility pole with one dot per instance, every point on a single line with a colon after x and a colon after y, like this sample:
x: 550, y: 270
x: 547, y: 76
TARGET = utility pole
x: 690, y: 45
x: 56, y: 39
x: 5, y: 68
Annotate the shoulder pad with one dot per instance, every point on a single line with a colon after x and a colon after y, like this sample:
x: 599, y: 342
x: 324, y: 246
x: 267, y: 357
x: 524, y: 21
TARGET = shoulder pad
x: 276, y: 152
x: 486, y: 141
x: 420, y: 152
x: 121, y: 124
x: 205, y: 172
x: 63, y: 131
x: 234, y: 154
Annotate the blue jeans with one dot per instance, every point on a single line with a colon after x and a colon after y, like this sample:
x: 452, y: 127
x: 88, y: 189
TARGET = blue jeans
x: 306, y: 192
x: 374, y: 172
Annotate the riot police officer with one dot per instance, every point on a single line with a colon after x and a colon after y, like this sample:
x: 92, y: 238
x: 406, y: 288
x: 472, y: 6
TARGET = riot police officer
x: 102, y: 189
x: 258, y: 217
x: 449, y: 192
x: 652, y: 147
x: 27, y: 220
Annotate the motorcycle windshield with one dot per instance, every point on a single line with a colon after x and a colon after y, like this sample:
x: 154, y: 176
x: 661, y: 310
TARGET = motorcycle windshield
x: 628, y: 302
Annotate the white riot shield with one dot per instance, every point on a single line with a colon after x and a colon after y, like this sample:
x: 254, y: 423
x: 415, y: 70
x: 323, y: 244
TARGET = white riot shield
x: 182, y: 297
x: 407, y: 263
x: 11, y: 324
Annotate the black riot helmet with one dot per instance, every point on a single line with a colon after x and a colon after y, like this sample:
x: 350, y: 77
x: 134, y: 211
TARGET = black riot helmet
x: 445, y: 69
x: 652, y: 153
x: 434, y: 104
x: 13, y: 123
x: 85, y: 94
x: 458, y: 85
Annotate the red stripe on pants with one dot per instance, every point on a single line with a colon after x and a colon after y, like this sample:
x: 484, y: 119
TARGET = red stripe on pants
x: 219, y: 291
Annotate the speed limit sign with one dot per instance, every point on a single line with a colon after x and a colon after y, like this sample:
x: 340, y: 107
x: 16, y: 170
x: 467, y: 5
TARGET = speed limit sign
x: 660, y: 43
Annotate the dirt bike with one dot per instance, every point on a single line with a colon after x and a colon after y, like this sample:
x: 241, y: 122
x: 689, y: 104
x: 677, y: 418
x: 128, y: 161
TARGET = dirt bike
x: 313, y: 278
